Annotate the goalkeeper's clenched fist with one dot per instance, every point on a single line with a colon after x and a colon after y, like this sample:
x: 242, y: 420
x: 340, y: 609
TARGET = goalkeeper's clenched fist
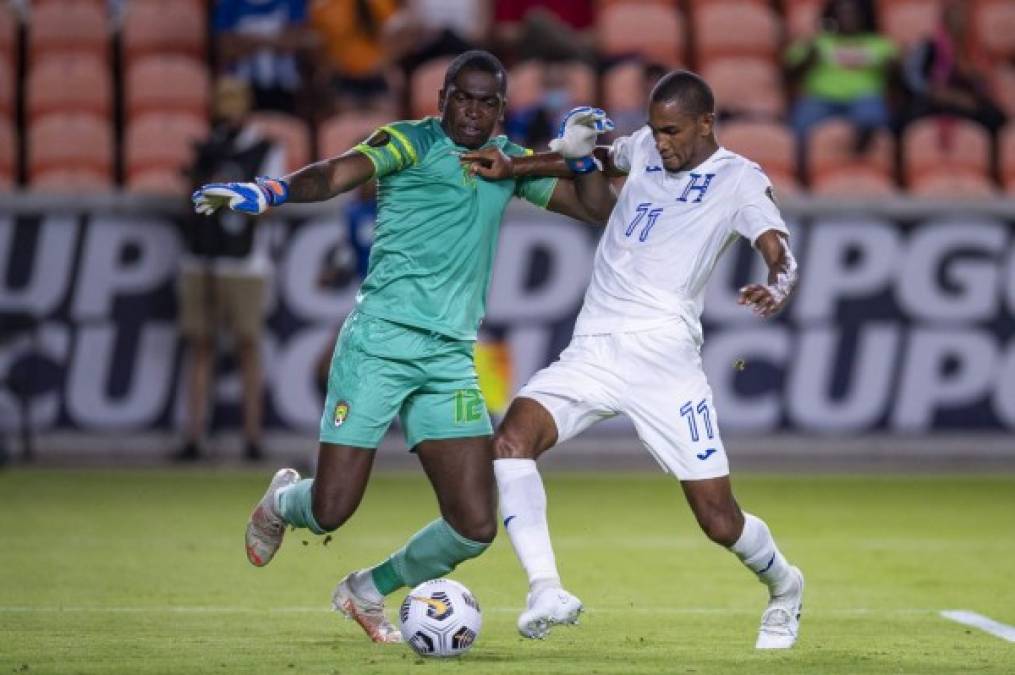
x: 253, y: 198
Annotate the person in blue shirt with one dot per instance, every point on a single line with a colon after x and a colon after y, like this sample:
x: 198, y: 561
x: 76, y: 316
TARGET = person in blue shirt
x: 261, y: 42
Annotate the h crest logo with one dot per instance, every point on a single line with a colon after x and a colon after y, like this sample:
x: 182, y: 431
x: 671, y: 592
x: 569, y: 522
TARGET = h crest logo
x: 698, y: 183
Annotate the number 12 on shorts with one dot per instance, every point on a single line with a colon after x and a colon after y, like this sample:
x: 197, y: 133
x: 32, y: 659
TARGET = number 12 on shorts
x: 688, y: 411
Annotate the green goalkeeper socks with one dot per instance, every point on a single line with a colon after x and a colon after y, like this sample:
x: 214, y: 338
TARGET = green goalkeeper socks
x: 429, y: 554
x: 295, y: 505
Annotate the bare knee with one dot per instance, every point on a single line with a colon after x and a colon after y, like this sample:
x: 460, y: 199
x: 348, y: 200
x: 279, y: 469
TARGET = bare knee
x: 483, y: 530
x: 723, y: 526
x: 474, y: 522
x: 527, y: 431
x: 509, y: 445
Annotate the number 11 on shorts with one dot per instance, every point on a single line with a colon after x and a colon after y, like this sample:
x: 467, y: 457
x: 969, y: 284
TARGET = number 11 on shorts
x: 688, y: 411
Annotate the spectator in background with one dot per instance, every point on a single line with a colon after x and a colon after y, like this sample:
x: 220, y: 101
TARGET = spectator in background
x: 536, y: 124
x: 429, y: 29
x: 628, y: 113
x: 355, y: 59
x: 553, y: 30
x: 946, y: 74
x: 262, y: 42
x: 225, y: 270
x: 842, y: 71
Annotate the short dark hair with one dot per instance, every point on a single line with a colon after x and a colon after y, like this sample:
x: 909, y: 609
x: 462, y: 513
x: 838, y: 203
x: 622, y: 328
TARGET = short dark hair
x: 693, y: 93
x: 477, y: 59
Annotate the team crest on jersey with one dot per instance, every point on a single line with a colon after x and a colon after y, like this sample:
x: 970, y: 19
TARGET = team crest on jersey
x: 378, y: 138
x: 341, y: 413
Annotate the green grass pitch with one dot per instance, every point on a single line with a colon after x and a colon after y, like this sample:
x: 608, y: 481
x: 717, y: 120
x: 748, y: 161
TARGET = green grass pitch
x: 144, y: 572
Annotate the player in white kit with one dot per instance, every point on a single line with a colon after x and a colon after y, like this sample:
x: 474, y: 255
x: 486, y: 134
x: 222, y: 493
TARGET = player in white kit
x: 637, y: 341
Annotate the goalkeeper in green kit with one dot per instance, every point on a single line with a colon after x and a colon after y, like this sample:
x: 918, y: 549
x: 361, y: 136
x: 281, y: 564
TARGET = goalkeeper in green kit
x: 407, y: 348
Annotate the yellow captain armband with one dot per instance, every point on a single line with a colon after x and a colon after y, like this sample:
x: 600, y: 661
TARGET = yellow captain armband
x: 389, y: 150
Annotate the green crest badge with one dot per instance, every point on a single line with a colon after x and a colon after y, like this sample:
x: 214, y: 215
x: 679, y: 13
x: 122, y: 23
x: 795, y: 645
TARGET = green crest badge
x: 341, y: 412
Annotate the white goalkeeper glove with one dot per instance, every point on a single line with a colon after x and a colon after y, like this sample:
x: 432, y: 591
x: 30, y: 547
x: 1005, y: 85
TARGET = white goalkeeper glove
x: 576, y: 137
x: 253, y: 198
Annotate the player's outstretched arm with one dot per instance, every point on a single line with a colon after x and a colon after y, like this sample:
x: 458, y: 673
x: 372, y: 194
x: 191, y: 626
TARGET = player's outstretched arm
x: 328, y: 178
x: 768, y: 300
x: 313, y: 183
x: 493, y: 164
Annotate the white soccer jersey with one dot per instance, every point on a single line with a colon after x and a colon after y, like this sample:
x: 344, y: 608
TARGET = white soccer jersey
x: 666, y: 233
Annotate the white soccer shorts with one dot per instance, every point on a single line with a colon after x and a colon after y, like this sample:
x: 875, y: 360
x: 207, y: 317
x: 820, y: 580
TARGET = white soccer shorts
x: 655, y: 378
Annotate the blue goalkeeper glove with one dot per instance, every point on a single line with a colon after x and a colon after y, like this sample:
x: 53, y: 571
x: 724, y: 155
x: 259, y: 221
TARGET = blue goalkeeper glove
x: 253, y: 198
x: 576, y: 137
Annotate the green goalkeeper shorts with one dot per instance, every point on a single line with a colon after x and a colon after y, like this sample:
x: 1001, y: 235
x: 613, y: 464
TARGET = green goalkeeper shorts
x: 380, y: 369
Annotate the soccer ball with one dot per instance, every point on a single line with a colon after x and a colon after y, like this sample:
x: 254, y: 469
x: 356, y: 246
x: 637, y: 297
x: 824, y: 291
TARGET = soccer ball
x: 440, y: 617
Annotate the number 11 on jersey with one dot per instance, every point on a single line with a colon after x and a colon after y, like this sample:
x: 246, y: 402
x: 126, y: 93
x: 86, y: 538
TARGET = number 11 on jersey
x: 644, y: 209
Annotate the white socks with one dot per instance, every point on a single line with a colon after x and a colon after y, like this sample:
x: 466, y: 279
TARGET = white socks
x: 523, y: 507
x: 758, y: 551
x: 362, y: 584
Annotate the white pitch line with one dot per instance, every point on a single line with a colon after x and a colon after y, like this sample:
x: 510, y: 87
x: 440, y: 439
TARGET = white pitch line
x: 984, y: 623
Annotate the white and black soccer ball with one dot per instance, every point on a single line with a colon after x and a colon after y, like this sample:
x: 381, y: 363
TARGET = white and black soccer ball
x: 440, y: 617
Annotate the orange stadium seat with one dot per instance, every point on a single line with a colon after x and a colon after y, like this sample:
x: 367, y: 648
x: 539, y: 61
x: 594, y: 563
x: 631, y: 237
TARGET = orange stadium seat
x: 70, y: 141
x: 855, y: 184
x: 8, y: 34
x: 603, y: 4
x: 426, y: 81
x: 831, y: 159
x: 101, y: 4
x: 161, y: 142
x: 746, y: 86
x: 1006, y: 154
x: 341, y: 132
x: 170, y: 83
x: 581, y: 83
x: 770, y: 144
x: 69, y: 83
x: 155, y: 26
x: 942, y: 145
x: 942, y: 184
x: 695, y: 4
x: 908, y: 21
x: 8, y: 154
x: 994, y: 26
x: 7, y: 92
x: 654, y: 31
x: 71, y: 181
x: 735, y: 28
x: 290, y: 132
x: 803, y: 17
x: 525, y: 84
x: 1003, y: 88
x: 169, y: 182
x: 624, y: 87
x: 68, y: 26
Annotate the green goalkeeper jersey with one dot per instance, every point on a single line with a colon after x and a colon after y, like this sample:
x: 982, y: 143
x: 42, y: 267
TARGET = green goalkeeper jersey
x: 437, y: 229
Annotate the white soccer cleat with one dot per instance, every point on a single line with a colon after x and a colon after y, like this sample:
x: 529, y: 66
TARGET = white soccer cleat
x: 266, y: 528
x: 369, y: 615
x: 549, y: 607
x: 780, y: 622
